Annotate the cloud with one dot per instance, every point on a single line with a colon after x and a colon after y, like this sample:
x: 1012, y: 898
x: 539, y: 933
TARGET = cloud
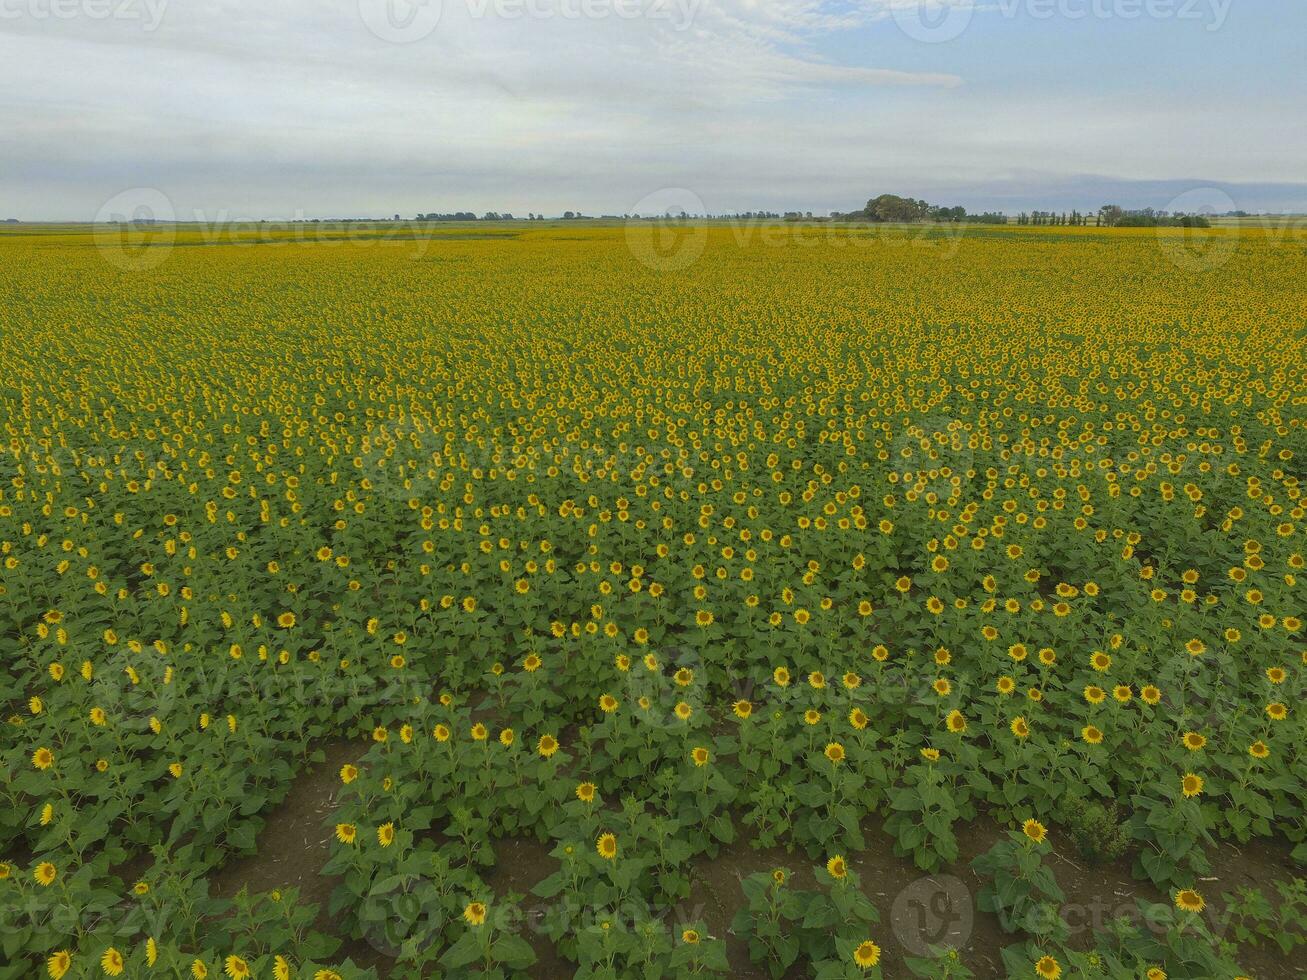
x: 265, y: 109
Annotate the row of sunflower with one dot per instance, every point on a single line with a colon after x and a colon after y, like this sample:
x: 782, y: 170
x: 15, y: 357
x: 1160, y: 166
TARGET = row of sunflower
x: 801, y: 544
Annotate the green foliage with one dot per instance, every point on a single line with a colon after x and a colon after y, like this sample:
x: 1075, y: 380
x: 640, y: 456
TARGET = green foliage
x: 1097, y: 832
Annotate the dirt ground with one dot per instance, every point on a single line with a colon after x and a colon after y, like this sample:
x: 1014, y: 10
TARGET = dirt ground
x: 916, y: 909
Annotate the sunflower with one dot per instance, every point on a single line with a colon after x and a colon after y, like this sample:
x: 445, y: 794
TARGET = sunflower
x: 1019, y: 727
x: 1275, y: 675
x: 585, y: 792
x: 942, y: 686
x: 1276, y: 711
x: 1048, y: 968
x: 836, y: 868
x: 1150, y: 694
x: 198, y: 970
x: 532, y: 663
x: 1100, y: 661
x: 45, y: 874
x: 835, y: 753
x: 1005, y: 685
x: 1091, y: 735
x: 742, y: 709
x: 607, y: 847
x: 607, y: 704
x: 480, y: 732
x: 683, y: 711
x: 1191, y: 785
x: 286, y: 620
x: 1095, y: 694
x: 280, y: 968
x: 348, y: 773
x: 346, y: 833
x: 1188, y: 900
x: 474, y: 913
x: 1193, y: 741
x: 111, y: 962
x: 440, y: 733
x: 690, y: 937
x: 700, y: 756
x: 43, y: 758
x: 930, y: 755
x: 1155, y: 973
x: 506, y: 737
x: 867, y: 954
x: 1259, y: 750
x: 236, y: 968
x: 386, y: 834
x: 1123, y: 693
x: 811, y: 716
x: 858, y: 719
x: 58, y: 964
x: 955, y: 722
x: 1034, y: 830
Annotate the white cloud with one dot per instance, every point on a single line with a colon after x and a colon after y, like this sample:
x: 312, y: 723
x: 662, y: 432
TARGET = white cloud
x: 263, y: 109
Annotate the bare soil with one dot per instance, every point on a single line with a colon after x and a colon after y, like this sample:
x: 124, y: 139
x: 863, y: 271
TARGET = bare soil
x: 916, y: 908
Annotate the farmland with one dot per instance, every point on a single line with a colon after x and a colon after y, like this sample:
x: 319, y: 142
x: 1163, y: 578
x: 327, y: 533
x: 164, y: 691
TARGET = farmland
x: 553, y: 600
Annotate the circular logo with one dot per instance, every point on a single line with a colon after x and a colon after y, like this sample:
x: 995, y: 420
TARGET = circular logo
x: 933, y: 442
x: 653, y: 696
x: 931, y: 913
x: 933, y: 21
x: 400, y: 21
x: 134, y: 230
x: 663, y: 233
x: 1196, y: 249
x: 402, y: 921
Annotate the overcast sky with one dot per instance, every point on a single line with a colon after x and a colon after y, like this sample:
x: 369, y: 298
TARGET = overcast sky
x: 272, y: 108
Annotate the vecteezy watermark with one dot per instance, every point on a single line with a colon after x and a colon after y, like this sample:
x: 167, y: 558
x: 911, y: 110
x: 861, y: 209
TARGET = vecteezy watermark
x: 133, y: 229
x: 1198, y: 249
x: 137, y: 229
x: 401, y: 21
x: 931, y: 913
x: 939, y: 21
x: 662, y: 232
x: 408, y: 21
x: 148, y: 13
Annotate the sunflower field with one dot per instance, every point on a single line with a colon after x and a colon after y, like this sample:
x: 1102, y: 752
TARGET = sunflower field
x: 838, y: 547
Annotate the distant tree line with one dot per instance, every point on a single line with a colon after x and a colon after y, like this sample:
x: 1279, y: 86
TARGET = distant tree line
x: 892, y: 207
x: 1053, y: 218
x: 488, y: 216
x: 1115, y: 216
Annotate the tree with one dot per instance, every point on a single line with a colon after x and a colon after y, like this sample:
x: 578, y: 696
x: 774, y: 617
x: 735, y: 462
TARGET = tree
x: 1111, y: 214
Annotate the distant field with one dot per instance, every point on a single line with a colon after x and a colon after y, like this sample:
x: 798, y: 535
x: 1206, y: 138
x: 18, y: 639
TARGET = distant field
x: 518, y: 599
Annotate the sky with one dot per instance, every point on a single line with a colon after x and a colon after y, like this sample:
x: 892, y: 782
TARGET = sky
x: 245, y: 109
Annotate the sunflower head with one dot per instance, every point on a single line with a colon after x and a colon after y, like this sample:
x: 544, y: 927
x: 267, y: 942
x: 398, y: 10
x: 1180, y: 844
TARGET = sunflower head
x: 836, y: 868
x: 1188, y: 900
